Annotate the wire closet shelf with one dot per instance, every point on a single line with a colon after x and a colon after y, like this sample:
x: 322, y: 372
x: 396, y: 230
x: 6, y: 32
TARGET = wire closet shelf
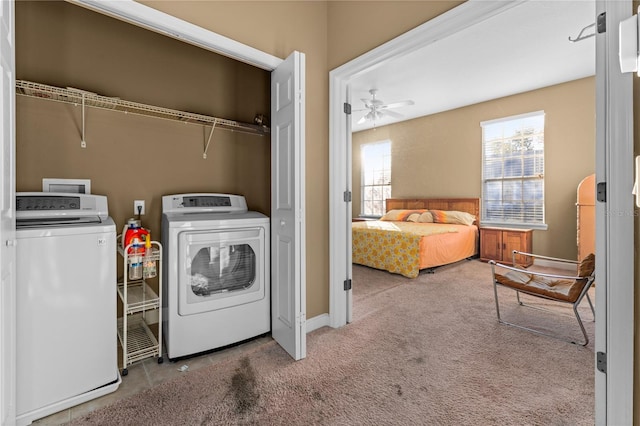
x: 75, y: 96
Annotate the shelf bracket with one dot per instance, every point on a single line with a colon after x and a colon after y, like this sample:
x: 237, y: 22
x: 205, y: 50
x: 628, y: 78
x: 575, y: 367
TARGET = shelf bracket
x: 83, y: 143
x: 206, y: 147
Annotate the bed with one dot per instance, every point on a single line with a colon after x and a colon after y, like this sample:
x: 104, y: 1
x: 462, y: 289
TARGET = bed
x: 405, y: 240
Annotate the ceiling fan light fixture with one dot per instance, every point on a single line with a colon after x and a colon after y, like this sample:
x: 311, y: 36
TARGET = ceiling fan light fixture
x: 378, y: 110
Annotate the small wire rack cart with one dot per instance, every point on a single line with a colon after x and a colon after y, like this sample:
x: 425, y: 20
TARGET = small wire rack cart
x: 140, y: 306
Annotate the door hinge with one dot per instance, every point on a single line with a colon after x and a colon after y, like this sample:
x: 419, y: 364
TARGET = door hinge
x: 602, y: 23
x: 601, y: 192
x: 301, y: 318
x: 347, y: 196
x: 601, y: 362
x: 347, y: 284
x: 347, y: 108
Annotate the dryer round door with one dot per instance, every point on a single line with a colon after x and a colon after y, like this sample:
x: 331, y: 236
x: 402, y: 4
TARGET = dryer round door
x: 219, y: 269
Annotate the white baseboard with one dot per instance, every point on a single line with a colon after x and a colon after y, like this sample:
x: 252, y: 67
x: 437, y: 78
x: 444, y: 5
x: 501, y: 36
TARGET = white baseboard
x: 317, y: 322
x: 555, y: 264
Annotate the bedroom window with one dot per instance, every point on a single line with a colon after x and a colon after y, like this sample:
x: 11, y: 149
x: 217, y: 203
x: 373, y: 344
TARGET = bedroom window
x: 376, y: 177
x: 513, y: 171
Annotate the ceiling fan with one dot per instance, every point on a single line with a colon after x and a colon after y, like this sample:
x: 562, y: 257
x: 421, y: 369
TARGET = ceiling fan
x: 377, y: 109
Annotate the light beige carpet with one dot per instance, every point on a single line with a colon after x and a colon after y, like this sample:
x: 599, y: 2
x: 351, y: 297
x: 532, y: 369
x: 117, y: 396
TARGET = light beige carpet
x: 423, y: 351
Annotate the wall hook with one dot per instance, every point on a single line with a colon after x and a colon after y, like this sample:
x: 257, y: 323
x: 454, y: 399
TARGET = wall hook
x: 582, y: 37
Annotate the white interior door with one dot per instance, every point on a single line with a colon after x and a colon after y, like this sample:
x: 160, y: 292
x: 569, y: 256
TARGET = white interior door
x: 614, y: 225
x: 7, y: 217
x: 288, y: 298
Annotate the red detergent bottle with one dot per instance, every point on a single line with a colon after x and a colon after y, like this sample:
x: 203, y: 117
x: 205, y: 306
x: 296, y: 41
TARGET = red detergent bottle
x: 135, y: 236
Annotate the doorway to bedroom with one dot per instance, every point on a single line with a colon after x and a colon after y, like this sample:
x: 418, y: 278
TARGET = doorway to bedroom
x: 434, y: 116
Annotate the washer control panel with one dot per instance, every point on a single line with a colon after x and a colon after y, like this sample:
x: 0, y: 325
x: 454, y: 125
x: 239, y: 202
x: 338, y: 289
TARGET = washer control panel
x: 206, y: 201
x: 46, y: 202
x: 200, y: 203
x: 37, y: 205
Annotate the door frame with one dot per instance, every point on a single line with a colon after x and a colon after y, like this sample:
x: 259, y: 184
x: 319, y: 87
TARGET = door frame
x: 7, y: 218
x: 154, y: 20
x: 614, y: 391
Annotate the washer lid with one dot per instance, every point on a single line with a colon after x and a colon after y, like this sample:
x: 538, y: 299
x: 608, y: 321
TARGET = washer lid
x: 203, y: 202
x: 61, y: 230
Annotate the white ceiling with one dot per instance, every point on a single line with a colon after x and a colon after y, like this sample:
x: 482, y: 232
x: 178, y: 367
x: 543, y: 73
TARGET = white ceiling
x: 524, y: 48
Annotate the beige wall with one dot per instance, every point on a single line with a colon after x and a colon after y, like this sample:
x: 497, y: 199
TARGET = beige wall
x: 440, y: 155
x: 355, y: 27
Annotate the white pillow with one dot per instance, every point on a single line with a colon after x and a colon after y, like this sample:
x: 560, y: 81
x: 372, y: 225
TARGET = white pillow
x: 426, y: 217
x: 414, y: 217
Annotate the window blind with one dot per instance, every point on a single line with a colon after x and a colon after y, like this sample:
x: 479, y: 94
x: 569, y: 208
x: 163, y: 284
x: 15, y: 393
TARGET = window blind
x: 376, y: 177
x: 513, y: 170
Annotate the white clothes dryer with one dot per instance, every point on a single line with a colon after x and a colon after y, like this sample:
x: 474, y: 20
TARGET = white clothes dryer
x: 216, y: 288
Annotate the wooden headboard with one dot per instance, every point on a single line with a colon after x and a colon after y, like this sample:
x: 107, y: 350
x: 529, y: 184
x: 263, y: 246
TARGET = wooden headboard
x: 469, y: 205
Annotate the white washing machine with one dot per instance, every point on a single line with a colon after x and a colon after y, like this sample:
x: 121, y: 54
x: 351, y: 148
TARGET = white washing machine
x: 216, y: 288
x: 66, y: 339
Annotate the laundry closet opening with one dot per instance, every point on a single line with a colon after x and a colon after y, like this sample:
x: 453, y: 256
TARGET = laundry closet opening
x: 129, y: 156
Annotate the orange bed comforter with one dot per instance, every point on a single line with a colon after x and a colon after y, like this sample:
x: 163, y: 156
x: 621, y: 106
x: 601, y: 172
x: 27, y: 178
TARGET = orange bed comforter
x: 406, y: 247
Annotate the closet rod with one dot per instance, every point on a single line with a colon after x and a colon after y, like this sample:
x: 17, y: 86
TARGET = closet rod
x: 76, y: 96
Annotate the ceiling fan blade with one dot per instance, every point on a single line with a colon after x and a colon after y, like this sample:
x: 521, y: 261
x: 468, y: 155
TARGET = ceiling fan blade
x: 391, y: 114
x: 397, y: 104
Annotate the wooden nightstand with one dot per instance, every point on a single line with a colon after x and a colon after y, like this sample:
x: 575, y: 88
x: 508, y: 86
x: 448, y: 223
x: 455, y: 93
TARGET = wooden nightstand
x: 498, y: 244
